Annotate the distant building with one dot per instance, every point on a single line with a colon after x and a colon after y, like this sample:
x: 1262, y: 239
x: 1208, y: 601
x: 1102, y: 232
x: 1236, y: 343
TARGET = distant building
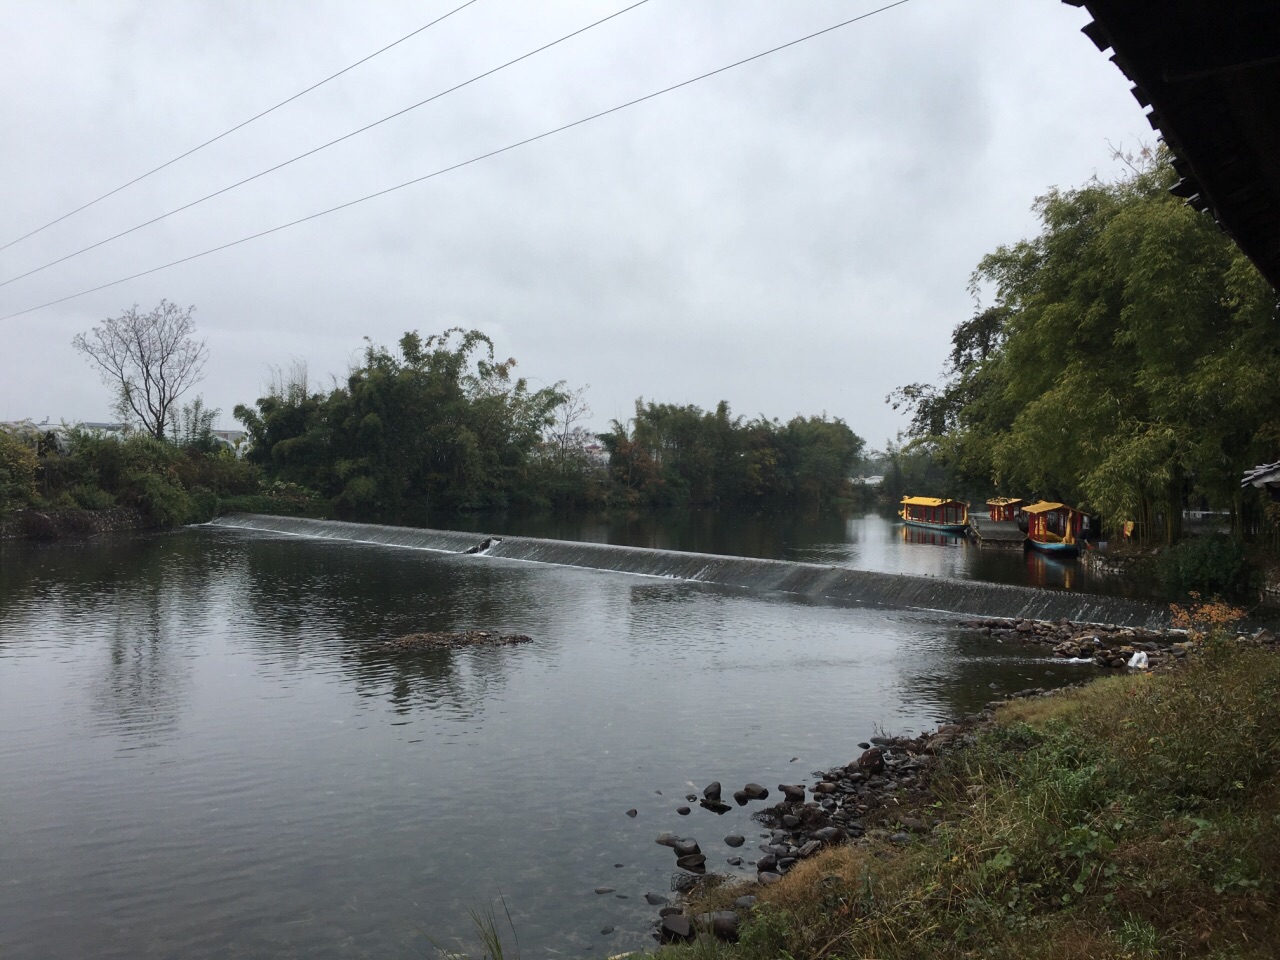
x: 58, y: 433
x: 872, y: 481
x: 237, y: 441
x: 1265, y: 477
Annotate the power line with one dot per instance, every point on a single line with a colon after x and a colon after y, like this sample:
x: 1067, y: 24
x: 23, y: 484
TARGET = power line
x: 323, y: 146
x: 244, y: 123
x: 476, y: 159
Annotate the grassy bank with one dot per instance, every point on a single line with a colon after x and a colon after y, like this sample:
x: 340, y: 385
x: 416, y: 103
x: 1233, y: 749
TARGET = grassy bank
x: 1136, y: 817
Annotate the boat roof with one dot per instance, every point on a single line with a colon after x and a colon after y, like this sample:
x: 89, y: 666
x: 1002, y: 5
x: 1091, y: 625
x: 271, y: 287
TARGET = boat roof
x: 1004, y: 501
x: 932, y: 502
x: 1044, y: 506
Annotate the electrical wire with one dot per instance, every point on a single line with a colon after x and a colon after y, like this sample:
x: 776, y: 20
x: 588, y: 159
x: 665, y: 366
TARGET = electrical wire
x: 465, y: 163
x: 238, y: 126
x: 323, y: 146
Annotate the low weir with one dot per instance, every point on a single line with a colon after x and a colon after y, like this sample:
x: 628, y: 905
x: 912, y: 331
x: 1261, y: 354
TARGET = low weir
x: 809, y: 580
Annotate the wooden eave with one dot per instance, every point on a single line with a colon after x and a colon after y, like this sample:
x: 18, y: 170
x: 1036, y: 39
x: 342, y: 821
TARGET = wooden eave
x: 1210, y: 71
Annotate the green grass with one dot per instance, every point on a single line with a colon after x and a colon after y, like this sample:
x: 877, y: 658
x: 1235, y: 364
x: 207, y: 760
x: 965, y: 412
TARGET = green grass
x: 1136, y: 817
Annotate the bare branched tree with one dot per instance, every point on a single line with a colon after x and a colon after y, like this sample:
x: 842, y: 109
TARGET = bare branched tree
x: 149, y: 359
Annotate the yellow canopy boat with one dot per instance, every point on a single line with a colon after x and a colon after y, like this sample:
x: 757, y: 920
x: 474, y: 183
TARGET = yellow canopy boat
x: 935, y: 513
x: 1053, y: 527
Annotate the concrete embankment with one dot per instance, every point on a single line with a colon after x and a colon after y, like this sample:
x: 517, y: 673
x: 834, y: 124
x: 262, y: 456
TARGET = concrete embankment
x: 810, y: 581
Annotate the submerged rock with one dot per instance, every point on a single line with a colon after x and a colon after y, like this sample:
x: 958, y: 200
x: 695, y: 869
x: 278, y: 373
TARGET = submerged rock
x: 447, y: 641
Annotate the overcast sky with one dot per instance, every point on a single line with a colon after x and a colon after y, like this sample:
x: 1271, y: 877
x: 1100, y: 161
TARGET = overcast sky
x: 794, y: 236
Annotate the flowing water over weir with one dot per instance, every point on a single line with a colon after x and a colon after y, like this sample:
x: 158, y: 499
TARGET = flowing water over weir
x: 808, y: 580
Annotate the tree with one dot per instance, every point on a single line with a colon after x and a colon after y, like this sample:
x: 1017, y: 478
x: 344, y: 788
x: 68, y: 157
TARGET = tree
x: 438, y: 424
x: 149, y: 359
x: 1128, y: 363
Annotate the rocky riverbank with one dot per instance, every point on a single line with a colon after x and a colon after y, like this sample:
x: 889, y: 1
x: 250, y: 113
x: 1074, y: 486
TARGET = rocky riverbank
x: 881, y: 795
x: 70, y: 524
x: 884, y: 796
x: 1106, y: 645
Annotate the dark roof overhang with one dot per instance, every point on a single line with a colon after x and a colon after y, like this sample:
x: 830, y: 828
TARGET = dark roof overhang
x: 1210, y: 71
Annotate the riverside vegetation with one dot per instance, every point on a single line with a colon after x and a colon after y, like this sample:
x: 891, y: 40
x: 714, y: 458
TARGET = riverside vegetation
x: 1126, y: 365
x: 184, y: 479
x: 1135, y: 817
x: 437, y: 427
x: 440, y: 425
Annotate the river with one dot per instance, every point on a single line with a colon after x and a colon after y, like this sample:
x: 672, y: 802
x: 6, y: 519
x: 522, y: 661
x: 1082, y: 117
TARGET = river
x: 205, y: 753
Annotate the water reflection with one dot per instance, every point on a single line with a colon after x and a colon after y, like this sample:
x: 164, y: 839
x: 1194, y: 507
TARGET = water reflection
x: 307, y: 608
x: 304, y: 793
x: 962, y: 670
x: 1052, y: 572
x: 933, y: 538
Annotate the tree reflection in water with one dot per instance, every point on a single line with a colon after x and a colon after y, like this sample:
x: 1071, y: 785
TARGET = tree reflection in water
x: 310, y: 610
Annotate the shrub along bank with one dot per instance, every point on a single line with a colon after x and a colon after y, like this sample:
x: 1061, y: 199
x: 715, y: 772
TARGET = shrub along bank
x: 1136, y: 817
x: 131, y: 481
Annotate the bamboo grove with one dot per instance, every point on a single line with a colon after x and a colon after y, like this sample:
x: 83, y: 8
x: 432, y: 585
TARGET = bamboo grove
x: 442, y: 426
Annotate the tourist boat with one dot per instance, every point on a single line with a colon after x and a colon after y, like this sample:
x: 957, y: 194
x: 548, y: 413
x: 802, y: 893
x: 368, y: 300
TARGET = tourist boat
x: 1004, y: 508
x: 1053, y: 527
x: 933, y: 513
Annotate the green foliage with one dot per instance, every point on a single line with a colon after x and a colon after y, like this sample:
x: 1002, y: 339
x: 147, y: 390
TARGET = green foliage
x: 193, y: 429
x: 1210, y: 564
x: 685, y: 456
x: 170, y: 484
x: 17, y: 472
x: 163, y: 500
x: 1129, y: 361
x: 910, y: 469
x: 767, y: 932
x: 441, y: 423
x: 88, y: 497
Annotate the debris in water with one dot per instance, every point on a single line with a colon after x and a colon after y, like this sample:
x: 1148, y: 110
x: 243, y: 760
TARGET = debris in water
x: 468, y: 638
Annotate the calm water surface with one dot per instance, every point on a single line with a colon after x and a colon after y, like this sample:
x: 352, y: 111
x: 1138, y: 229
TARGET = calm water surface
x: 204, y: 754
